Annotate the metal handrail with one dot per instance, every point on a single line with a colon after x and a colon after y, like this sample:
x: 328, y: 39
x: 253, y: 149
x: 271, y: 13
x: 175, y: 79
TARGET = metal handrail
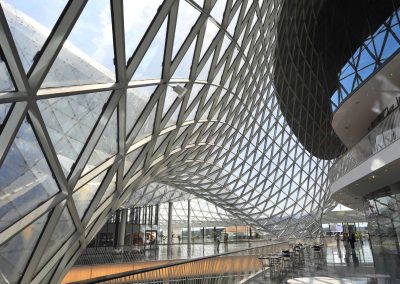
x: 244, y: 252
x: 155, y: 252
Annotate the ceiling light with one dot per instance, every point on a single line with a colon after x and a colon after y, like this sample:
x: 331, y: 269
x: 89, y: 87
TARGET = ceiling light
x: 179, y: 90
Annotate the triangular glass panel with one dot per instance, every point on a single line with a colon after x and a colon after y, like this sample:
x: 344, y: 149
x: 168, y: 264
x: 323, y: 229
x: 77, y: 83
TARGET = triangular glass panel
x: 209, y: 35
x: 107, y: 146
x: 87, y: 57
x: 6, y: 84
x: 240, y: 40
x: 147, y: 128
x: 150, y: 66
x: 390, y: 47
x: 136, y: 101
x: 218, y: 76
x: 206, y: 113
x: 210, y: 92
x: 170, y: 97
x: 174, y: 117
x: 194, y: 92
x: 4, y: 109
x: 206, y: 68
x: 232, y: 26
x: 84, y: 195
x: 248, y: 6
x: 183, y: 69
x: 217, y: 11
x: 137, y: 18
x: 160, y: 140
x: 30, y: 24
x: 25, y: 178
x: 131, y: 158
x: 192, y: 114
x: 224, y: 47
x: 69, y: 121
x: 378, y: 39
x: 15, y: 253
x: 63, y: 230
x: 187, y: 17
x: 110, y: 189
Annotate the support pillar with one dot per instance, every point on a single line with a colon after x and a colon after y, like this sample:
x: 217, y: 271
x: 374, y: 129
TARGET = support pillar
x: 122, y: 226
x: 189, y: 228
x: 169, y: 239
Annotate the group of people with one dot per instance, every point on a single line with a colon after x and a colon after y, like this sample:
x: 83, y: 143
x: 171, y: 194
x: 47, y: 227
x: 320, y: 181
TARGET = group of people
x: 348, y: 239
x: 218, y: 241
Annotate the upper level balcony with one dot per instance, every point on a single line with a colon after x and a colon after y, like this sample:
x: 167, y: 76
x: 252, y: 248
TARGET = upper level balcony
x: 370, y: 164
x: 369, y: 83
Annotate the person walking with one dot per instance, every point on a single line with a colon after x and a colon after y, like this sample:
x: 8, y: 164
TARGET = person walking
x: 337, y: 237
x: 352, y: 240
x: 218, y: 242
x: 345, y: 240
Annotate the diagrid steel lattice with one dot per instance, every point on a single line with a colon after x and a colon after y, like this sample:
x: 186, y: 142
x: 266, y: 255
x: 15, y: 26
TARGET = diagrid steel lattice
x: 101, y: 99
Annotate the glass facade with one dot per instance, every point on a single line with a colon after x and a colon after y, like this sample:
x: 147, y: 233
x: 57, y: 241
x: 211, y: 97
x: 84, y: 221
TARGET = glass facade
x: 109, y: 104
x: 141, y: 228
x: 377, y: 48
x: 382, y: 209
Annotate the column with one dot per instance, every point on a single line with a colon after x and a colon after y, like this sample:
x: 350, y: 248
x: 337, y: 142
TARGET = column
x: 122, y: 226
x: 169, y: 239
x: 189, y: 228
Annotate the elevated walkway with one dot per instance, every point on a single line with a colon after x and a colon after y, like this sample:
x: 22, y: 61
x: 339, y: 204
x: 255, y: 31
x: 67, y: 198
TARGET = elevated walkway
x: 360, y: 108
x: 369, y: 165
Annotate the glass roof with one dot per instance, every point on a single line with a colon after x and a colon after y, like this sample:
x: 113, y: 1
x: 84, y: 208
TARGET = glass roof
x: 128, y: 103
x: 202, y: 214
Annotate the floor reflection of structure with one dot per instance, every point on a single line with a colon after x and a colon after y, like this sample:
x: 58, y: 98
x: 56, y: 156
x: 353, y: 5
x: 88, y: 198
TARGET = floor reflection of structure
x: 343, y: 266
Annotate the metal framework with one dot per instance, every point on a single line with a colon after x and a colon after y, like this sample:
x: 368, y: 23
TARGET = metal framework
x: 190, y: 104
x: 376, y: 49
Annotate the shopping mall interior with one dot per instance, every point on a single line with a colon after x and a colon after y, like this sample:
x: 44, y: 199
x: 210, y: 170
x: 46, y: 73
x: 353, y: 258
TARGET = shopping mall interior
x: 199, y: 141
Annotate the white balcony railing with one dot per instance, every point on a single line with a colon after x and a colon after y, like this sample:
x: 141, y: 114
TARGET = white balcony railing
x: 384, y: 134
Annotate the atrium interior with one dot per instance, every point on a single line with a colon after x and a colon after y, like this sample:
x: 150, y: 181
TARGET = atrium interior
x: 199, y: 141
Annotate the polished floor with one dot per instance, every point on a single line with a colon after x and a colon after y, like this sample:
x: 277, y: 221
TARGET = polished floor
x: 103, y: 255
x: 338, y: 265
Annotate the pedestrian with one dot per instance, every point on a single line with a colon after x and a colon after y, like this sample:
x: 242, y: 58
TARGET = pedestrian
x: 352, y: 240
x: 345, y: 240
x: 337, y: 237
x: 218, y: 242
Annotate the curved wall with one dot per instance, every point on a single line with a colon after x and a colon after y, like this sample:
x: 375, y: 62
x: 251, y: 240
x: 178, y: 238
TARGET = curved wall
x: 315, y: 40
